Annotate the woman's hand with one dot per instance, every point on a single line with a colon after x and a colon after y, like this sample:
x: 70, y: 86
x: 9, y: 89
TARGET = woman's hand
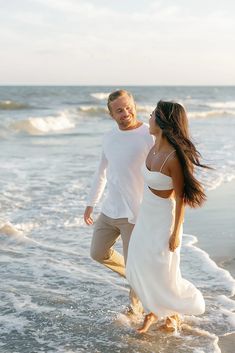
x: 174, y: 242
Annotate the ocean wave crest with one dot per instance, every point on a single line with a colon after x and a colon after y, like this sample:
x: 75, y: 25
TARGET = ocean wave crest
x: 39, y: 125
x: 221, y: 105
x: 12, y: 105
x: 144, y: 108
x: 92, y: 109
x: 100, y: 95
x: 210, y: 113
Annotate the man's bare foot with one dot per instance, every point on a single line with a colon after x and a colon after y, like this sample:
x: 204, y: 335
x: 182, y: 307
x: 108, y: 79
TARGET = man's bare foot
x: 148, y: 321
x: 171, y: 325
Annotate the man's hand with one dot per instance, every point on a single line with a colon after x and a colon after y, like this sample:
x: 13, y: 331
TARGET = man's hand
x: 88, y: 215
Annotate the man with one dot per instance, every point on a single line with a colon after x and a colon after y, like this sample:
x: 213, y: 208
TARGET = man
x: 124, y: 151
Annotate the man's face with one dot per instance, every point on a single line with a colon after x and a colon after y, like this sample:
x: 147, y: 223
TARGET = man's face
x: 123, y: 111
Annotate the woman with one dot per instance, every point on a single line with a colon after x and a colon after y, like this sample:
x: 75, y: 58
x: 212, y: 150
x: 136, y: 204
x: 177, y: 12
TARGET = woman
x: 154, y: 249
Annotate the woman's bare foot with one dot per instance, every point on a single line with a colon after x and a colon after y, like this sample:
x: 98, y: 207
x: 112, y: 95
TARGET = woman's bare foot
x: 148, y: 321
x: 171, y: 325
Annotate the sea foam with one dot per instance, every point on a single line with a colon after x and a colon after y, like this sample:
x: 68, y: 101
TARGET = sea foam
x: 210, y: 113
x: 41, y: 125
x: 100, y: 95
x: 221, y: 105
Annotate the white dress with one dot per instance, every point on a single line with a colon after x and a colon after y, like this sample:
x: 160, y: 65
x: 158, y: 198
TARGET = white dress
x: 152, y: 270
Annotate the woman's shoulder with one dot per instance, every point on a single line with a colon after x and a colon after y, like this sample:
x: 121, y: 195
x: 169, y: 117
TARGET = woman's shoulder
x: 173, y: 164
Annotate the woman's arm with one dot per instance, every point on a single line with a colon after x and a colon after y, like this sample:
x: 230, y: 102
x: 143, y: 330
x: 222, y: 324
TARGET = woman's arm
x: 176, y: 173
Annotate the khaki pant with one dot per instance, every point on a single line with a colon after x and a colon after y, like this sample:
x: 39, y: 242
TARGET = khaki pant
x: 106, y: 232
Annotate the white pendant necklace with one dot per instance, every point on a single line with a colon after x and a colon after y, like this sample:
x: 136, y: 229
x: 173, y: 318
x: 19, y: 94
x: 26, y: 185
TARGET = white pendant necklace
x: 155, y: 152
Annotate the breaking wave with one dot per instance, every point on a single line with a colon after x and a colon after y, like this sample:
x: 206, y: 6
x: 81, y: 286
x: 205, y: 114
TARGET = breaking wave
x: 40, y: 125
x: 100, y: 95
x: 12, y: 105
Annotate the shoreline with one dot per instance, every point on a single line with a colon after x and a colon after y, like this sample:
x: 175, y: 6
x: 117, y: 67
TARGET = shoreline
x: 214, y: 227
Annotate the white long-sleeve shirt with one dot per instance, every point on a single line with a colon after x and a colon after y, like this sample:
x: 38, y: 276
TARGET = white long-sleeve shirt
x: 123, y: 154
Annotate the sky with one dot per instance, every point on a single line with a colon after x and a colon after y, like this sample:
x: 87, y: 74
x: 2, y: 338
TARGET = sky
x: 117, y: 42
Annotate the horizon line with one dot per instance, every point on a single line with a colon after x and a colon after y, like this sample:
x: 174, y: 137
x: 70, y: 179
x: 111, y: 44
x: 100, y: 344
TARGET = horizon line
x: 114, y: 85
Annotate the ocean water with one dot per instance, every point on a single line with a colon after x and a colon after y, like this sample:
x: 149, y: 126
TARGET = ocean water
x: 54, y: 298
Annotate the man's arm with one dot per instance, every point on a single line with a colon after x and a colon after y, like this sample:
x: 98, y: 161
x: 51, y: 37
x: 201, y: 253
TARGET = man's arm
x: 97, y: 189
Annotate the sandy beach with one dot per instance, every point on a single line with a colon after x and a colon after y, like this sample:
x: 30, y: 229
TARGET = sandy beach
x: 214, y: 226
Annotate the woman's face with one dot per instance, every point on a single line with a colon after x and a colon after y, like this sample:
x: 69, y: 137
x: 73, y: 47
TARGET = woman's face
x: 154, y: 129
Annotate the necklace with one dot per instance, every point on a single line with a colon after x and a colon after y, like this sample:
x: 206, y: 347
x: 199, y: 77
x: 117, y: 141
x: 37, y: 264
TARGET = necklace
x: 160, y: 153
x: 155, y: 152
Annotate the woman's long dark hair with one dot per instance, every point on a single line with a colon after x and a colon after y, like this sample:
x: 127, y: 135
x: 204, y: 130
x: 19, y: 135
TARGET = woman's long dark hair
x: 171, y: 117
